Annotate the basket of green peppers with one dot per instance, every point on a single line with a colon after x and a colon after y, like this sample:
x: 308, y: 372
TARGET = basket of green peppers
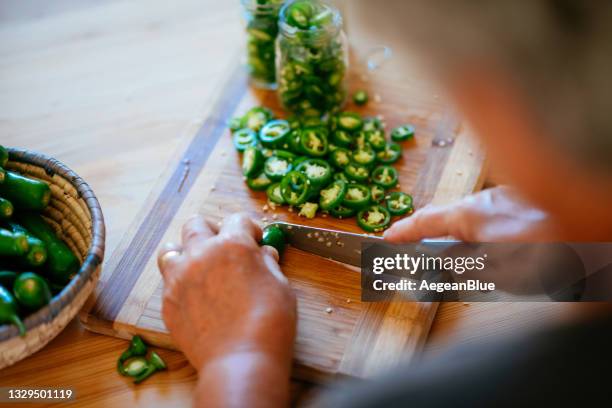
x: 51, y: 249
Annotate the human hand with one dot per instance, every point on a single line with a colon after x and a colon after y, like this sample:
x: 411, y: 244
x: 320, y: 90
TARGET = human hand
x: 492, y: 215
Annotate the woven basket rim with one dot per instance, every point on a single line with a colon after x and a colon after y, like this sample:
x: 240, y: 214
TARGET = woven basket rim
x: 95, y: 252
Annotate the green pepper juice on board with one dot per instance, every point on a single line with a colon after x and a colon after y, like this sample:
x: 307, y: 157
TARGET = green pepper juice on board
x: 312, y: 58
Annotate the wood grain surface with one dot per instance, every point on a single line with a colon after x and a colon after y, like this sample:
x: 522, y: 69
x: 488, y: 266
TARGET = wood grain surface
x: 111, y: 87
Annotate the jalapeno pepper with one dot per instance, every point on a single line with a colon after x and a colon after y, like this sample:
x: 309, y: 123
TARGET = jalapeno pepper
x: 256, y: 118
x: 372, y: 123
x: 2, y: 175
x: 342, y: 138
x: 360, y: 97
x: 391, y: 153
x: 31, y: 291
x: 340, y: 157
x: 385, y: 176
x: 364, y: 156
x: 350, y: 121
x: 275, y: 133
x: 360, y: 141
x: 234, y: 124
x: 274, y: 237
x: 342, y: 176
x: 399, y: 203
x: 378, y: 193
x: 276, y: 167
x: 357, y: 196
x: 13, y: 244
x: 25, y: 193
x: 252, y: 161
x: 295, y: 141
x: 332, y: 195
x: 154, y: 364
x: 342, y: 211
x: 308, y: 210
x: 137, y: 348
x: 318, y: 172
x: 374, y: 218
x: 135, y: 366
x: 295, y: 188
x: 376, y: 139
x: 402, y: 133
x: 37, y: 250
x: 356, y: 172
x: 274, y: 194
x: 259, y: 183
x: 313, y: 142
x: 299, y: 13
x: 244, y: 138
x: 8, y: 311
x: 6, y: 208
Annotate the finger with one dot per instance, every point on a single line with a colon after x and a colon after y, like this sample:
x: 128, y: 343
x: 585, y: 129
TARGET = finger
x: 270, y: 250
x: 272, y: 265
x: 241, y: 225
x: 429, y: 222
x: 168, y: 257
x: 196, y: 229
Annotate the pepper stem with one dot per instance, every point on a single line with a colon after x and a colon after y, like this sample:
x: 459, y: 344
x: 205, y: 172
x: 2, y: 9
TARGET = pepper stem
x: 17, y: 322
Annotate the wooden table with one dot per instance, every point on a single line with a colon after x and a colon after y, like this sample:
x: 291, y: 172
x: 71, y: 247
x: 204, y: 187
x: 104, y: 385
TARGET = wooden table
x: 110, y: 87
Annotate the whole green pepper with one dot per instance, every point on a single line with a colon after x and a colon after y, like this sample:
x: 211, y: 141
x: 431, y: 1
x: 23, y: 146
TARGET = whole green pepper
x: 13, y: 244
x: 31, y: 291
x: 25, y: 193
x: 8, y: 311
x: 37, y: 252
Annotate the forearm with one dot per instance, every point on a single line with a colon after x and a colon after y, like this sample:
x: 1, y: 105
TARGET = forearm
x: 248, y: 378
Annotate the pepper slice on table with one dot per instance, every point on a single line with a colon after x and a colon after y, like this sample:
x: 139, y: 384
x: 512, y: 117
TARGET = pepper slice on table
x: 350, y: 121
x: 402, y: 133
x: 295, y: 187
x: 137, y: 348
x: 154, y: 364
x: 256, y: 117
x: 274, y: 194
x: 356, y: 172
x: 332, y: 195
x: 378, y: 193
x: 244, y: 138
x: 318, y: 171
x: 259, y: 183
x: 364, y: 155
x: 342, y: 138
x: 390, y: 154
x: 385, y: 176
x: 8, y: 311
x: 376, y: 139
x: 399, y: 203
x: 342, y: 211
x: 275, y: 133
x: 360, y: 97
x: 374, y: 218
x: 252, y: 161
x: 357, y: 196
x: 276, y: 167
x: 341, y: 157
x: 313, y: 142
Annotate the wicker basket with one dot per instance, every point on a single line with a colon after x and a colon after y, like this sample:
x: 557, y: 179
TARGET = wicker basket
x: 75, y: 214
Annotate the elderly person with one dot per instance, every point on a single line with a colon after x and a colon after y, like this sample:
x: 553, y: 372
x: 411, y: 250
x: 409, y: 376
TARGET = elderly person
x: 533, y: 79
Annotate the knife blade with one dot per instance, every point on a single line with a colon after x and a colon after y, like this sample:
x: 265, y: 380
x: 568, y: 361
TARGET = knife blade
x: 339, y: 246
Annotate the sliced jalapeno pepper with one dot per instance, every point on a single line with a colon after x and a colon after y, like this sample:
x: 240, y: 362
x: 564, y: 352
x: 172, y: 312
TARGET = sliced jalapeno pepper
x: 342, y: 138
x: 295, y: 141
x: 256, y: 118
x: 364, y: 155
x: 275, y: 133
x: 259, y: 183
x: 385, y: 176
x: 357, y: 196
x: 332, y: 195
x: 376, y: 138
x: 235, y: 124
x: 308, y: 210
x: 350, y: 121
x: 360, y: 97
x: 295, y: 187
x: 299, y: 13
x: 374, y: 218
x: 391, y: 153
x: 252, y: 161
x: 276, y: 167
x: 360, y: 141
x: 313, y: 142
x: 402, y: 133
x: 341, y: 176
x: 244, y: 138
x: 274, y: 194
x: 372, y: 123
x: 356, y: 172
x: 318, y: 172
x: 378, y: 193
x: 342, y: 211
x: 399, y: 203
x: 340, y: 157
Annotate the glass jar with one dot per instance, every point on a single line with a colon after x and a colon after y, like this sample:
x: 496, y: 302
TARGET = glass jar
x: 311, y: 58
x: 261, y: 28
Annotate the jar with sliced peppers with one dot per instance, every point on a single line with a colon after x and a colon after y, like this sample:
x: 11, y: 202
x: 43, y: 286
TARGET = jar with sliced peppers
x: 261, y: 28
x: 312, y: 58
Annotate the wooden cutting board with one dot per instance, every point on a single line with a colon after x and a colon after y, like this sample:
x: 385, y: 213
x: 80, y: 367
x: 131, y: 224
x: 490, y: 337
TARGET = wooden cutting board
x: 355, y: 339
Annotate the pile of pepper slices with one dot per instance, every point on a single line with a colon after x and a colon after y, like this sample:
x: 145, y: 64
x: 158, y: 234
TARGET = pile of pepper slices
x: 340, y: 164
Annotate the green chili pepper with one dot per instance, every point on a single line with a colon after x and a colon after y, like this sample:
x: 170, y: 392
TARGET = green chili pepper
x: 262, y: 29
x: 372, y: 123
x: 37, y: 252
x: 402, y: 133
x: 360, y: 97
x: 276, y: 167
x: 385, y: 176
x: 6, y: 208
x: 244, y: 138
x: 2, y: 175
x: 313, y: 142
x: 356, y: 172
x: 350, y: 121
x: 295, y: 188
x: 357, y: 196
x: 252, y: 161
x: 374, y: 218
x: 8, y: 311
x: 318, y: 172
x: 12, y: 244
x: 298, y: 14
x: 275, y: 133
x: 364, y: 155
x: 274, y: 194
x: 340, y: 157
x: 155, y: 363
x: 342, y: 176
x: 256, y: 118
x: 135, y: 366
x: 259, y: 183
x: 137, y: 348
x: 399, y: 203
x: 376, y: 139
x: 342, y: 138
x: 4, y: 156
x: 235, y: 124
x: 342, y: 211
x: 274, y: 237
x: 25, y: 193
x: 332, y: 195
x: 308, y: 210
x: 378, y: 193
x: 31, y: 291
x: 391, y: 153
